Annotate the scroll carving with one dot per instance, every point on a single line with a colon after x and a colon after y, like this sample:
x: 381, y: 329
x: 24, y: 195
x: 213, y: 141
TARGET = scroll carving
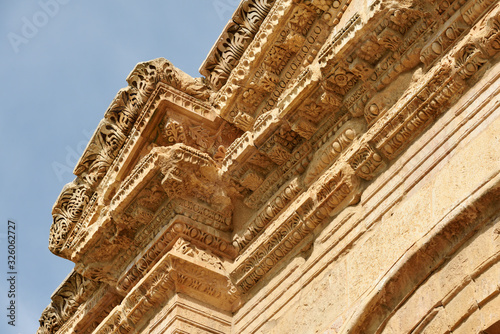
x: 235, y: 40
x: 294, y: 120
x: 121, y: 115
x: 65, y: 301
x: 146, y: 75
x: 66, y: 213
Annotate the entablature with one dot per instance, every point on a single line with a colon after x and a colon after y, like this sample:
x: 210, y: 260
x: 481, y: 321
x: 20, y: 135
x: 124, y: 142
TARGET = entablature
x: 168, y: 107
x: 77, y: 305
x: 304, y: 103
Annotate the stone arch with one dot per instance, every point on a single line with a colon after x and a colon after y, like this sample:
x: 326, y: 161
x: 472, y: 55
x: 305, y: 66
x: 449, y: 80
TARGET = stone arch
x: 448, y: 282
x: 471, y: 307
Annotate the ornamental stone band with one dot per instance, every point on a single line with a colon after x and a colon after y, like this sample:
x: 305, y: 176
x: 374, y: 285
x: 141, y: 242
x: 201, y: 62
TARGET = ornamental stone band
x: 335, y: 170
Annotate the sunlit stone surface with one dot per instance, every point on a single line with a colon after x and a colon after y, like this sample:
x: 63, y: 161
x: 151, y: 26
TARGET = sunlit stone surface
x: 335, y: 170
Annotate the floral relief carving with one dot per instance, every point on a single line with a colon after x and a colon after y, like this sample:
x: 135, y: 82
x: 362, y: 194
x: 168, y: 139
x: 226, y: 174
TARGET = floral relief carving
x: 200, y: 136
x: 370, y: 50
x: 214, y: 188
x: 174, y: 133
x: 301, y: 19
x: 293, y: 41
x: 251, y: 14
x: 184, y: 247
x: 146, y: 75
x: 66, y: 213
x: 279, y: 147
x: 251, y: 97
x: 123, y: 112
x: 268, y: 81
x: 65, y: 301
x: 244, y: 121
x: 390, y: 38
x: 276, y: 58
x: 491, y: 39
x: 236, y: 38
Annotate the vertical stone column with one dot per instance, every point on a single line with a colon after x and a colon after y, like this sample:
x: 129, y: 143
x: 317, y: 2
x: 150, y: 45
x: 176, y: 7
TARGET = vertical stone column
x: 183, y: 314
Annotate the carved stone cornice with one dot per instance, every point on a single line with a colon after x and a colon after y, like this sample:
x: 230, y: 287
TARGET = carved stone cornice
x: 158, y: 199
x: 184, y: 269
x: 66, y: 213
x: 112, y: 145
x: 336, y: 189
x: 368, y: 142
x: 234, y: 40
x: 207, y: 194
x: 288, y: 41
x: 121, y: 115
x: 73, y: 292
x: 440, y: 87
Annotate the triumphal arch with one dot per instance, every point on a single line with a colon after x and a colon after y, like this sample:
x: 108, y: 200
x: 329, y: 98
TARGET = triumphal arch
x: 335, y: 170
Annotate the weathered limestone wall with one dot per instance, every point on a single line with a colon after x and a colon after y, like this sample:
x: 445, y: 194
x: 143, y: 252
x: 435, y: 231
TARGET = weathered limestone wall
x: 451, y: 173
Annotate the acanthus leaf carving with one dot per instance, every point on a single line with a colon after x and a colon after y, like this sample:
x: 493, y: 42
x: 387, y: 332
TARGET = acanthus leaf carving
x: 244, y: 121
x: 184, y: 247
x: 234, y: 41
x: 74, y: 291
x: 146, y: 75
x: 252, y: 13
x: 201, y: 137
x: 50, y: 321
x: 298, y: 151
x: 121, y: 115
x: 302, y: 19
x: 66, y: 213
x: 491, y: 37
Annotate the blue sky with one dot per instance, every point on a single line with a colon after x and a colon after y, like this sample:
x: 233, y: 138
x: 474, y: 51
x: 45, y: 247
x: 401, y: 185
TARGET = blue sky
x: 61, y: 65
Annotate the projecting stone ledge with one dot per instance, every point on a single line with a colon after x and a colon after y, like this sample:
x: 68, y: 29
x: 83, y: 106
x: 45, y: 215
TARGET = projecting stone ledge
x: 335, y: 171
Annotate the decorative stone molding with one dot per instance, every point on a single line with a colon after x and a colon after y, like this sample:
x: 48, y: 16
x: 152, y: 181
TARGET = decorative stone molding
x: 120, y: 117
x: 66, y: 213
x: 184, y: 269
x: 158, y: 199
x: 73, y: 292
x: 232, y: 192
x: 234, y: 40
x: 112, y: 132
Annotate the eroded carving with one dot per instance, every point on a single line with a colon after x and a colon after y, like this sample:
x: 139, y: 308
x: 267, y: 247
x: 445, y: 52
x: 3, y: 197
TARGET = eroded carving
x: 69, y: 296
x: 184, y: 190
x: 66, y: 213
